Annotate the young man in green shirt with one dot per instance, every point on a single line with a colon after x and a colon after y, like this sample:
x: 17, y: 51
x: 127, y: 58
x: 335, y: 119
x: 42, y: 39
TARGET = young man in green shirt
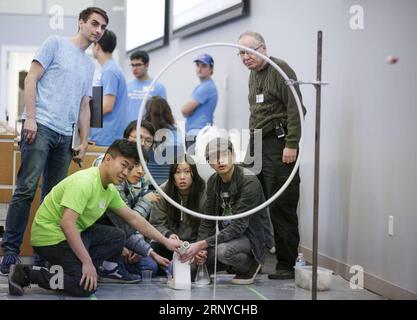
x: 64, y: 233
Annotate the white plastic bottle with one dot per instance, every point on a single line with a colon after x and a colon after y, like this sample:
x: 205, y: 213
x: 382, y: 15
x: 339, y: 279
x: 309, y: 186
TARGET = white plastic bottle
x: 300, y: 262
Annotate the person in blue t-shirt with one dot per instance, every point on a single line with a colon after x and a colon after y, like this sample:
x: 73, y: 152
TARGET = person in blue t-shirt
x: 114, y: 93
x: 200, y: 109
x: 57, y: 96
x: 139, y: 61
x: 167, y: 139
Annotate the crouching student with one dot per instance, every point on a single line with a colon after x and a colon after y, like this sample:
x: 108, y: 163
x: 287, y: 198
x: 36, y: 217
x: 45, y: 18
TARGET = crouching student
x: 146, y: 139
x: 137, y: 253
x: 64, y: 233
x: 242, y: 243
x: 186, y: 187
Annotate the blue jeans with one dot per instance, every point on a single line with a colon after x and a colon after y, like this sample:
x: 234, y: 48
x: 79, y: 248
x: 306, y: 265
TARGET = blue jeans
x: 145, y: 263
x: 51, y: 150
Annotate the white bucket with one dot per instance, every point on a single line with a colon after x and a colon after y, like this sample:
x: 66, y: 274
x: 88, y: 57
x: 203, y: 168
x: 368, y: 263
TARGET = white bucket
x: 304, y: 275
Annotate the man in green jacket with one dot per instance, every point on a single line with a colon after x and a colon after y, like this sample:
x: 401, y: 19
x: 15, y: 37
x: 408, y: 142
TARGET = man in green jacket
x: 274, y: 111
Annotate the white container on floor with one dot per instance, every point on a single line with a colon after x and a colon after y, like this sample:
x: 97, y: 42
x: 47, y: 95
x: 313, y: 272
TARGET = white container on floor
x: 304, y: 275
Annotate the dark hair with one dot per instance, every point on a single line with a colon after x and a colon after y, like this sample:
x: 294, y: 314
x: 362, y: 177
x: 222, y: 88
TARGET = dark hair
x: 196, y: 188
x: 132, y: 126
x: 148, y: 126
x: 86, y: 13
x: 108, y: 41
x: 124, y: 148
x: 159, y: 113
x: 140, y: 55
x: 218, y: 144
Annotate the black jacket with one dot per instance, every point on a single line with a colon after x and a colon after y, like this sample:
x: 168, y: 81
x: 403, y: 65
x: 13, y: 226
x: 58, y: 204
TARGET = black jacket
x: 245, y: 193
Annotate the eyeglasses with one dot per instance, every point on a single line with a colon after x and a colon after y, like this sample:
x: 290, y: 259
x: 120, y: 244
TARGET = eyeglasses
x: 133, y: 65
x: 242, y: 53
x: 146, y: 141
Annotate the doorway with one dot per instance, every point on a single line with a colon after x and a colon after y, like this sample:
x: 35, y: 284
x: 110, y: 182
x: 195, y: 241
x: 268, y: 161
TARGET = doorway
x: 15, y: 64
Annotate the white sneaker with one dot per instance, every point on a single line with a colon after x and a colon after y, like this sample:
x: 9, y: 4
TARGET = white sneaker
x: 249, y: 277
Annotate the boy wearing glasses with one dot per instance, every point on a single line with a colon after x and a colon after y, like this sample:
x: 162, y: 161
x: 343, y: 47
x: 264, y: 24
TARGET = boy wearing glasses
x: 136, y: 88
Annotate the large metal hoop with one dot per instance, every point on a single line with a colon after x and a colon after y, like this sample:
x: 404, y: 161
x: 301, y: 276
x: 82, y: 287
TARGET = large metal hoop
x: 293, y: 172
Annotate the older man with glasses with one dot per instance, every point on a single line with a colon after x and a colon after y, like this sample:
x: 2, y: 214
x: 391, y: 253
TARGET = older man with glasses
x: 273, y: 110
x: 136, y: 88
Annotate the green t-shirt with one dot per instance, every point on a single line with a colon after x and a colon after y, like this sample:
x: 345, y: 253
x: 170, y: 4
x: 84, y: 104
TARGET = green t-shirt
x: 82, y: 192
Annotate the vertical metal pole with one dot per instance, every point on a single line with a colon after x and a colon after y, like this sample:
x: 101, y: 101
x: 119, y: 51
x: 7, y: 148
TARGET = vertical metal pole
x: 317, y: 167
x: 215, y: 260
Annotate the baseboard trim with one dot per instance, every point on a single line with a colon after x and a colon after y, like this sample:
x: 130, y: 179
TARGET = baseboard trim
x: 371, y: 282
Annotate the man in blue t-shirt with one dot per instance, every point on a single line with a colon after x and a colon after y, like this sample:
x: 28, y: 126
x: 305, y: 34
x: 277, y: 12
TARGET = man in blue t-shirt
x: 137, y: 88
x: 57, y: 96
x: 114, y: 93
x: 200, y: 109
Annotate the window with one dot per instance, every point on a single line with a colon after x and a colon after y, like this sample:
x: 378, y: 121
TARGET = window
x: 148, y: 22
x: 145, y: 24
x: 30, y: 7
x: 191, y: 16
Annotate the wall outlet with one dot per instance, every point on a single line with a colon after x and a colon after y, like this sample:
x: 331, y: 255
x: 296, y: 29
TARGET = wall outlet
x: 391, y: 225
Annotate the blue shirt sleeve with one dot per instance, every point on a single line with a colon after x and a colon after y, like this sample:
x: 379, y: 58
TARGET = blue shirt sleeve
x: 201, y: 93
x: 162, y: 92
x: 46, y: 53
x: 110, y: 83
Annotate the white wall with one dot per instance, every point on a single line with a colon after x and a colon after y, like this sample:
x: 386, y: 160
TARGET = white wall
x: 368, y: 152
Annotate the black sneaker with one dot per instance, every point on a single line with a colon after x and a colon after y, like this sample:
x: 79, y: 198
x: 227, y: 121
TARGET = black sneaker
x: 249, y: 277
x: 282, y: 274
x: 18, y: 279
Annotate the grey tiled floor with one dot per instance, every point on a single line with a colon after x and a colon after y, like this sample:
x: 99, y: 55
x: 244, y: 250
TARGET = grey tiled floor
x: 262, y: 289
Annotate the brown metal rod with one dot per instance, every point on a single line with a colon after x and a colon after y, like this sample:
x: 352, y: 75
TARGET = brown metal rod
x: 316, y: 168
